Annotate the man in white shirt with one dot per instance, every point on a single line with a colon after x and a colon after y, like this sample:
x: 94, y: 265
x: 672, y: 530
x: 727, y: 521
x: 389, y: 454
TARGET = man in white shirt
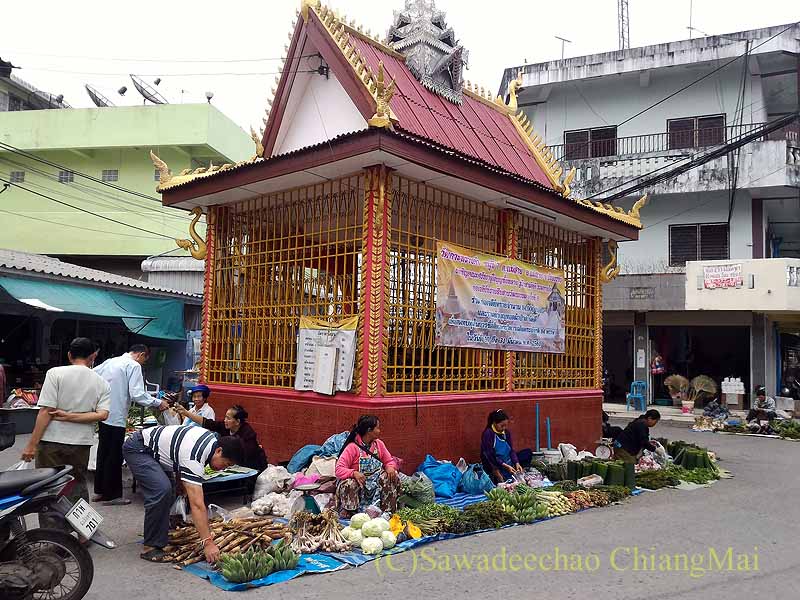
x: 72, y: 400
x: 124, y: 377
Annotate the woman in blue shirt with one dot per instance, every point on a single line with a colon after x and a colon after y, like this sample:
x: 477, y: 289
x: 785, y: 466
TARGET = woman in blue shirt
x: 497, y: 451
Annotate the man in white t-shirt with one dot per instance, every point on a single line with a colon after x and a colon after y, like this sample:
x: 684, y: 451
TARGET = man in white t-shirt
x: 72, y: 400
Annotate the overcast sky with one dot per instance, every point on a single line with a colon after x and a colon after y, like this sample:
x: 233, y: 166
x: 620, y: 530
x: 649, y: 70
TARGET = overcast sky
x: 62, y: 45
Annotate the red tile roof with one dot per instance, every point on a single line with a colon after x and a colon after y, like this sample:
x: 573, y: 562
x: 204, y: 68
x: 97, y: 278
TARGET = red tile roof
x: 473, y: 128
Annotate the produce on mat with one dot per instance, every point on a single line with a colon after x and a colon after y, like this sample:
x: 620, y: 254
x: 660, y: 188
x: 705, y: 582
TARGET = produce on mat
x: 356, y: 537
x: 788, y: 428
x: 699, y: 475
x: 429, y: 518
x: 252, y: 565
x: 318, y: 532
x: 358, y: 519
x: 554, y: 504
x: 246, y: 566
x: 481, y: 515
x: 388, y: 539
x: 374, y: 527
x: 372, y: 545
x: 231, y: 537
x: 691, y: 458
x: 655, y: 480
x: 616, y: 493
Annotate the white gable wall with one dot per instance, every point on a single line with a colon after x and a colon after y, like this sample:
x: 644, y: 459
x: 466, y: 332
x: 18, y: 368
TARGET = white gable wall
x: 319, y: 109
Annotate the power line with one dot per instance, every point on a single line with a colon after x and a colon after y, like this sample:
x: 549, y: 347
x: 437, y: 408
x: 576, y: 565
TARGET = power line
x: 149, y: 60
x: 707, y: 75
x: 99, y: 216
x: 130, y: 235
x: 16, y: 150
x: 125, y: 74
x: 96, y: 193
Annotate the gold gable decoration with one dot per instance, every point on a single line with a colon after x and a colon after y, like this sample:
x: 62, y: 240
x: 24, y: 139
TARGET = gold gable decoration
x: 167, y: 180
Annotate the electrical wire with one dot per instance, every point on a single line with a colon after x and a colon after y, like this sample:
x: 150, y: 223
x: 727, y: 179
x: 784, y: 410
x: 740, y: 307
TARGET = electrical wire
x: 149, y: 60
x: 102, y: 197
x: 706, y: 76
x: 94, y: 214
x: 129, y: 235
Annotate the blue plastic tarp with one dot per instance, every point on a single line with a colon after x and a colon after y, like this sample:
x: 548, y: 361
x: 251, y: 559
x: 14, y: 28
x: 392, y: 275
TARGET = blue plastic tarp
x: 309, y: 564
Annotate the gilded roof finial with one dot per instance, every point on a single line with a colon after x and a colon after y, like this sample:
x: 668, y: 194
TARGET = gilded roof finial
x: 305, y: 5
x: 383, y: 117
x: 634, y: 211
x: 257, y: 141
x: 197, y: 245
x: 164, y: 174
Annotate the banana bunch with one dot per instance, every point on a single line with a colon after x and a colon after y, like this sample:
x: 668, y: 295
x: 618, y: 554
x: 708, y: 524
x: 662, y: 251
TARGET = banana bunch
x: 247, y: 566
x: 499, y: 495
x: 557, y: 504
x: 284, y: 558
x: 524, y: 507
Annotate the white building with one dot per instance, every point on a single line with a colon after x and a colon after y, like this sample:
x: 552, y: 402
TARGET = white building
x: 611, y: 117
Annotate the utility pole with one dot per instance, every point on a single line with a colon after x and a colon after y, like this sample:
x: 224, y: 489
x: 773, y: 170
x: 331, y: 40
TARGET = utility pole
x: 563, y: 41
x: 623, y: 25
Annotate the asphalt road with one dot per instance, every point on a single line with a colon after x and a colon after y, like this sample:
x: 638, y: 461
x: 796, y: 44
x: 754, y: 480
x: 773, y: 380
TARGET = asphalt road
x: 753, y: 514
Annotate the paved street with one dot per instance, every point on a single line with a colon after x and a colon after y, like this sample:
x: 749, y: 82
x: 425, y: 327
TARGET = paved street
x: 753, y: 513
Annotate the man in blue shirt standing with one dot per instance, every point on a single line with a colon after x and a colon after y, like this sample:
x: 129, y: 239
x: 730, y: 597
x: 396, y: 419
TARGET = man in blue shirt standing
x: 124, y: 377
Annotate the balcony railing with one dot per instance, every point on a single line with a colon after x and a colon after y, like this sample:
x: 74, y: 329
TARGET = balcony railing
x: 668, y: 141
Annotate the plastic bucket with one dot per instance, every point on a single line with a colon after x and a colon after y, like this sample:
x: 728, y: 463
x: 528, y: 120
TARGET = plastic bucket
x: 552, y: 456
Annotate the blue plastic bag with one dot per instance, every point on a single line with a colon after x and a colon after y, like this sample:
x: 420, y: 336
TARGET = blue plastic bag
x: 444, y: 476
x: 302, y: 458
x: 475, y: 481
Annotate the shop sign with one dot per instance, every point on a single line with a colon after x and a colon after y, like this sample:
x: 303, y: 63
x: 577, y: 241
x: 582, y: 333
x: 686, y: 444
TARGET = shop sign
x: 642, y: 293
x: 496, y: 302
x: 722, y: 276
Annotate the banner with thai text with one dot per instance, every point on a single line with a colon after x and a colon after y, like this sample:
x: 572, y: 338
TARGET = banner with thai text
x: 722, y: 276
x: 495, y: 302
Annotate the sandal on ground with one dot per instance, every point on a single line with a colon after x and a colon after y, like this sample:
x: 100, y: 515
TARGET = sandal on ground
x: 155, y: 555
x: 117, y: 502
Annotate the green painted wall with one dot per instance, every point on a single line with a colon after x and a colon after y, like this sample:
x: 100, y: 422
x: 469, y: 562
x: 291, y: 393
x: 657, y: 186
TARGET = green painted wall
x: 89, y: 141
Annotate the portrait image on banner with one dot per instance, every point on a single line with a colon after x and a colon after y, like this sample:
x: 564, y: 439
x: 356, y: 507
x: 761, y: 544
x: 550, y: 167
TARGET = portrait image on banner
x: 497, y: 303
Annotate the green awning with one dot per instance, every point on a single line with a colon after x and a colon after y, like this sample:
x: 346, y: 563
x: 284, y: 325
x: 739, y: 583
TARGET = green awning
x: 153, y: 317
x: 166, y: 321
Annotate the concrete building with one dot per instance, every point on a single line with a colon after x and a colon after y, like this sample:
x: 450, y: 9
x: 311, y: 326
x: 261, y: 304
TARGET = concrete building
x: 617, y: 116
x: 44, y: 211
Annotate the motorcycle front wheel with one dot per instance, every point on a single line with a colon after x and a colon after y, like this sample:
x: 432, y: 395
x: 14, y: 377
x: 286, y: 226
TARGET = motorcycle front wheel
x: 71, y: 563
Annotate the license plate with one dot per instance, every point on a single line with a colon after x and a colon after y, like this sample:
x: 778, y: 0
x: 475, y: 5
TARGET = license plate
x: 84, y: 519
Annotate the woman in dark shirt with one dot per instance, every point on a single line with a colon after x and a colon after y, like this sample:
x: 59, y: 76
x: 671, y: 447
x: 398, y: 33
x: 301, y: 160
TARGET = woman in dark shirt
x: 235, y: 424
x: 635, y: 438
x: 497, y: 452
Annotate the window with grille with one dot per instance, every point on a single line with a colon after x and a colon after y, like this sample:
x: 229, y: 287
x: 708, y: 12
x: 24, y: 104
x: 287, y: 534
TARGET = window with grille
x: 276, y: 258
x: 702, y: 241
x: 110, y: 175
x: 17, y: 176
x: 590, y: 143
x: 696, y: 132
x: 156, y: 175
x: 66, y: 177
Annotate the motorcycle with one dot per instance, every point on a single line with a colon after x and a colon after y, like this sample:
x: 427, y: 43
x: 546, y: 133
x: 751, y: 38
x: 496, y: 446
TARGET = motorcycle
x: 45, y: 563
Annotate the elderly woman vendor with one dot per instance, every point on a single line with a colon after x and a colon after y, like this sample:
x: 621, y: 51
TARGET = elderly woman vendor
x: 366, y: 473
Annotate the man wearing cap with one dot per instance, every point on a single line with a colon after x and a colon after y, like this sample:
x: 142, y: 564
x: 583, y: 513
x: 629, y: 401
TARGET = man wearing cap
x: 199, y: 396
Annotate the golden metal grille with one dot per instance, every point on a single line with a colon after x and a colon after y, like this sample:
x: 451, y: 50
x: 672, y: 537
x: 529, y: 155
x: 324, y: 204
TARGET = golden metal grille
x: 421, y: 215
x: 278, y: 257
x: 550, y: 246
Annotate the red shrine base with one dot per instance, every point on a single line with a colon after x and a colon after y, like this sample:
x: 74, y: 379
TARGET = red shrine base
x: 448, y: 426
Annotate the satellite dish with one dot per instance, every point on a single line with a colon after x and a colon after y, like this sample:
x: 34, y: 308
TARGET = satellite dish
x: 147, y: 91
x: 97, y: 97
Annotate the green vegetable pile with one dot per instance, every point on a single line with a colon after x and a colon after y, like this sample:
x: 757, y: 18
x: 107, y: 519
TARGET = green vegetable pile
x: 430, y: 518
x: 700, y: 475
x: 522, y: 504
x: 693, y: 458
x: 655, y: 480
x: 482, y: 515
x: 616, y: 493
x: 788, y: 428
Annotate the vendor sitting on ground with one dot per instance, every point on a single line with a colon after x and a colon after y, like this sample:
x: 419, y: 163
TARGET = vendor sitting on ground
x: 235, y: 424
x: 763, y: 408
x: 497, y: 451
x: 199, y: 396
x: 184, y: 452
x: 366, y: 473
x: 635, y: 438
x: 716, y: 409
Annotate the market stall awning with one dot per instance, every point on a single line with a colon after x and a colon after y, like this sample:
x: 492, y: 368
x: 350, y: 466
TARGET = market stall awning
x: 153, y: 317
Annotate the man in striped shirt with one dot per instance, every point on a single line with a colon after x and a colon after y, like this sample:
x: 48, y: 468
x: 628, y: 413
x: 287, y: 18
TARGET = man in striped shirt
x: 185, y: 452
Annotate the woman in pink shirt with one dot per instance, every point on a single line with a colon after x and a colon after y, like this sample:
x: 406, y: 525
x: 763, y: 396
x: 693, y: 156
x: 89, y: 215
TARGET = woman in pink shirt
x: 366, y: 472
